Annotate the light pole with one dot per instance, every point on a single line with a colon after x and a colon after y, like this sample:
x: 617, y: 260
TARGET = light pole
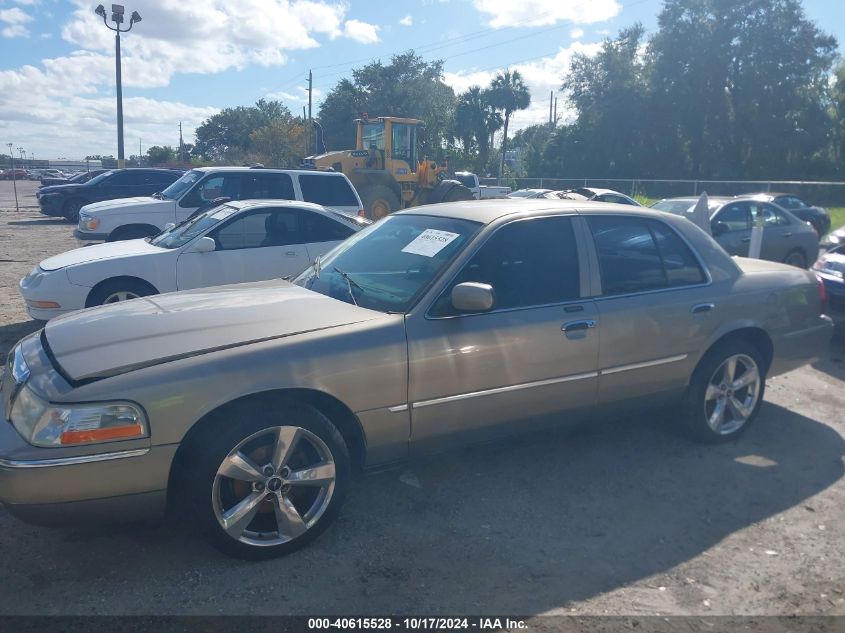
x: 117, y: 17
x: 14, y: 179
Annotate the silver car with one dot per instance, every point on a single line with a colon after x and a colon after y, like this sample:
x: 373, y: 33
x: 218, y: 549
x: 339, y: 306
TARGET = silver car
x: 249, y: 406
x: 786, y: 238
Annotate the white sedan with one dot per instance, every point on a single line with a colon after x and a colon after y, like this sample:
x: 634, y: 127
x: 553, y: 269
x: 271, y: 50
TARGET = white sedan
x: 232, y: 243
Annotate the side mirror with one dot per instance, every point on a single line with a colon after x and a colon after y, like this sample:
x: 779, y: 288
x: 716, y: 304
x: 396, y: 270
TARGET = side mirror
x: 472, y: 297
x: 205, y: 245
x: 718, y: 228
x: 169, y: 226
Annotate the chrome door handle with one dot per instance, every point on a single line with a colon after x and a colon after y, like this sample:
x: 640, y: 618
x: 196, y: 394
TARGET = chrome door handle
x: 575, y: 326
x: 290, y: 253
x: 701, y: 308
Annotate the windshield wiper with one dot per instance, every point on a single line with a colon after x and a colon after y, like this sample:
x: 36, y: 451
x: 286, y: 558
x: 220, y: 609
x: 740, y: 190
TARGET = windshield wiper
x: 349, y: 283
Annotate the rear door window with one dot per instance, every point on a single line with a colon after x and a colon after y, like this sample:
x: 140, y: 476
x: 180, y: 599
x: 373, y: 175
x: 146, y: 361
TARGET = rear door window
x: 319, y: 228
x: 737, y: 216
x: 329, y: 191
x: 263, y: 186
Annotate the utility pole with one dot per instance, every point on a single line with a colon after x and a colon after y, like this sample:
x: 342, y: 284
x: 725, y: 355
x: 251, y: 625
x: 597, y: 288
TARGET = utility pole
x: 305, y: 124
x: 139, y: 152
x: 308, y: 128
x: 551, y: 96
x: 555, y: 119
x: 181, y: 145
x: 14, y: 176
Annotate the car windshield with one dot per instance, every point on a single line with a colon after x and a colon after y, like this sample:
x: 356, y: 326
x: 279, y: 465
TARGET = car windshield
x: 100, y: 177
x: 388, y: 265
x: 183, y: 233
x: 175, y: 191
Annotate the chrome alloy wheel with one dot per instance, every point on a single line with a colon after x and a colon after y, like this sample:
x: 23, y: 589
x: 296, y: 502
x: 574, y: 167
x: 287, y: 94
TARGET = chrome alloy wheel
x: 122, y: 295
x: 273, y: 486
x: 732, y: 394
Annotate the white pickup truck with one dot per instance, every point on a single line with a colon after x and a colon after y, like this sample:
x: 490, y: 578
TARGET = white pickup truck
x: 481, y: 192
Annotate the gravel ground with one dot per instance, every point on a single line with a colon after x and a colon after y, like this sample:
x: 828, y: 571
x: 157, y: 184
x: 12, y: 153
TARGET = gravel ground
x: 619, y: 517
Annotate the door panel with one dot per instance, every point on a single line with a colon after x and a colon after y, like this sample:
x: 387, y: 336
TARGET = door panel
x: 737, y: 216
x: 477, y: 375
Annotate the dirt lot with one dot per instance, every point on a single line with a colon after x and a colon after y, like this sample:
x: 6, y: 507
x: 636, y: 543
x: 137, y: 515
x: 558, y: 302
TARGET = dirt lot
x: 618, y: 517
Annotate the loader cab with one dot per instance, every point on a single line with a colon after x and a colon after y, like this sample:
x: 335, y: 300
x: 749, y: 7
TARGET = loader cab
x: 391, y: 144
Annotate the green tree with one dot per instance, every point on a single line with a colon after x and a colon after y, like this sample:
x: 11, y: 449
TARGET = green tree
x: 280, y: 143
x: 475, y: 122
x: 741, y: 85
x: 508, y: 93
x: 408, y: 87
x: 160, y: 155
x: 226, y: 136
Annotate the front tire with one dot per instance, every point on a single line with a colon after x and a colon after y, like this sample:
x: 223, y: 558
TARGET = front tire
x: 379, y: 201
x: 796, y: 258
x: 725, y: 392
x: 268, y: 480
x: 116, y: 290
x: 70, y: 209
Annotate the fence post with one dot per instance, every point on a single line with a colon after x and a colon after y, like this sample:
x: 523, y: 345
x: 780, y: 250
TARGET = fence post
x: 695, y: 188
x: 541, y: 183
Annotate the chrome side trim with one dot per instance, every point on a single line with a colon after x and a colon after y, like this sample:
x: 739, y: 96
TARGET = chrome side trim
x: 488, y: 392
x: 69, y: 461
x: 398, y: 408
x: 648, y: 363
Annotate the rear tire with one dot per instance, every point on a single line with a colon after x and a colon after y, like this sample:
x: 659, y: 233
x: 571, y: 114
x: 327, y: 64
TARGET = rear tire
x: 725, y: 392
x: 796, y: 258
x: 265, y: 481
x: 70, y: 209
x: 116, y: 290
x: 379, y: 201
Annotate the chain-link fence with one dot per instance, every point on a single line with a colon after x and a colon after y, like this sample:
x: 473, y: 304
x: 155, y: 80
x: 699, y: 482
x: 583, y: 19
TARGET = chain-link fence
x: 815, y: 192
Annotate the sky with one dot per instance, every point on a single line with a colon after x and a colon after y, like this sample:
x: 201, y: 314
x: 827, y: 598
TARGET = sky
x: 188, y: 59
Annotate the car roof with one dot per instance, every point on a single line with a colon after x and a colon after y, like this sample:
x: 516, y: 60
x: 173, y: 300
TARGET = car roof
x: 264, y: 170
x: 487, y: 211
x: 259, y: 204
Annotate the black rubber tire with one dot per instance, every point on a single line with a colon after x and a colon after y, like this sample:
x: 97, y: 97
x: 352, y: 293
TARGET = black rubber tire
x: 131, y: 233
x: 230, y: 426
x: 691, y: 411
x: 379, y: 196
x: 798, y: 253
x: 101, y: 291
x: 70, y: 209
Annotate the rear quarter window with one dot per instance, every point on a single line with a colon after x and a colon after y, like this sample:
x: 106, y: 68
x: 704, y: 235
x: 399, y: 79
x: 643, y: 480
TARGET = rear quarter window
x: 329, y: 191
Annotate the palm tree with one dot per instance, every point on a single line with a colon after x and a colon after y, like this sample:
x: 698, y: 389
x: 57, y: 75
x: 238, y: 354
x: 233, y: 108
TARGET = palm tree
x: 508, y: 93
x: 475, y: 121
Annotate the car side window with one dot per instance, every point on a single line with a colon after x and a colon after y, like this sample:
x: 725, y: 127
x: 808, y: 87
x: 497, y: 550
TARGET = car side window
x: 790, y: 202
x: 330, y: 191
x: 681, y: 266
x: 319, y: 228
x: 258, y: 186
x: 772, y: 216
x: 216, y: 186
x: 628, y: 257
x: 259, y: 229
x: 528, y: 263
x: 737, y: 216
x: 123, y: 178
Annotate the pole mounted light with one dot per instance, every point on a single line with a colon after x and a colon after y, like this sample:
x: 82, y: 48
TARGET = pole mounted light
x: 14, y: 175
x: 117, y: 12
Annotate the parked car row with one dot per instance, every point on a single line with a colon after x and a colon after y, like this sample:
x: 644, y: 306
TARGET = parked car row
x: 248, y: 407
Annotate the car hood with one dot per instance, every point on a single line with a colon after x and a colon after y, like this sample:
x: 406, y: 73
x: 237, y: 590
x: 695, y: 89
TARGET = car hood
x: 67, y: 188
x: 139, y: 203
x: 109, y: 250
x: 117, y: 338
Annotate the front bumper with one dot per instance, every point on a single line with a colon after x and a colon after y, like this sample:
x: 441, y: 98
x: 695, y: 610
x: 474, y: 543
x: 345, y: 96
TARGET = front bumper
x: 51, y: 205
x: 53, y: 287
x: 87, y: 239
x: 118, y: 481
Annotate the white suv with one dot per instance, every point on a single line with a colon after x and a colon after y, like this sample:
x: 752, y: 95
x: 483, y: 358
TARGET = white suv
x: 132, y: 218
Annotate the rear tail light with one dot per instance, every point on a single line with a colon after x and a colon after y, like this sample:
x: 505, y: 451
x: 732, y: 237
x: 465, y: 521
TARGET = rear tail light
x: 361, y: 213
x: 822, y: 295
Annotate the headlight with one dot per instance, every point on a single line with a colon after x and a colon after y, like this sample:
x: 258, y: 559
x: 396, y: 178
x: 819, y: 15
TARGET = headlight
x: 87, y: 223
x: 44, y: 424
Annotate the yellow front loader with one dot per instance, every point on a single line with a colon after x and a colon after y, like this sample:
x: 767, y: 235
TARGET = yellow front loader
x: 387, y: 170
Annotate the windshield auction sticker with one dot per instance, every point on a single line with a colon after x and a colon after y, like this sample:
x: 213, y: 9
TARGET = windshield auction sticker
x: 430, y: 242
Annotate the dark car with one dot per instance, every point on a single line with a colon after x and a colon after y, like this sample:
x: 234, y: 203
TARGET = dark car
x: 67, y: 200
x: 818, y: 217
x: 830, y: 268
x: 77, y: 179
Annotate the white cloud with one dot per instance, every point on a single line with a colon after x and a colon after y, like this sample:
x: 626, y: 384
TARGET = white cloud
x: 14, y: 20
x: 408, y: 20
x: 576, y: 34
x: 542, y: 77
x: 298, y: 97
x: 505, y: 13
x: 362, y: 32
